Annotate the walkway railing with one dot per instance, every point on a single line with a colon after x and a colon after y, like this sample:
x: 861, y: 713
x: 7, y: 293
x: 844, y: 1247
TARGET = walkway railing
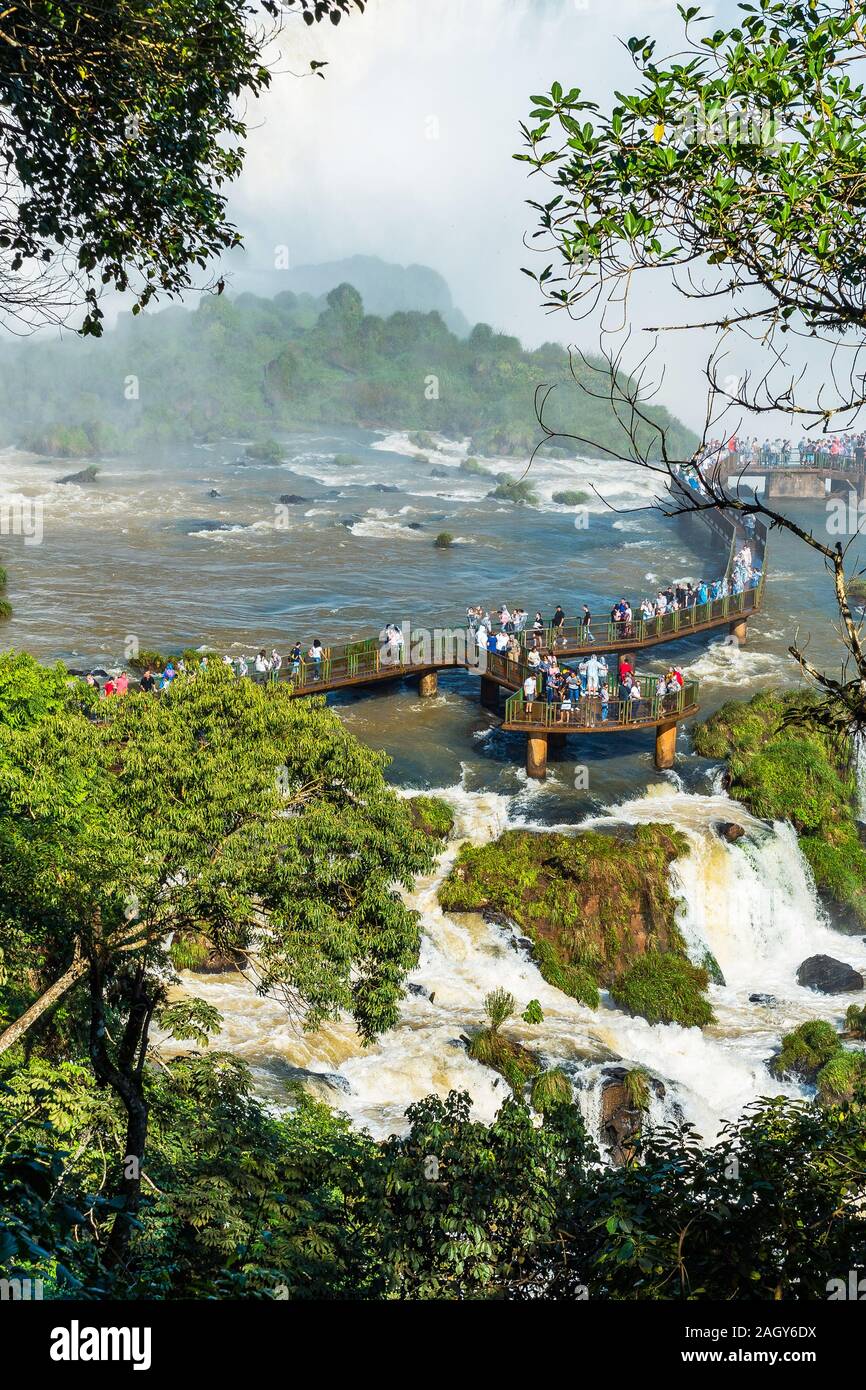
x: 572, y: 633
x: 593, y: 711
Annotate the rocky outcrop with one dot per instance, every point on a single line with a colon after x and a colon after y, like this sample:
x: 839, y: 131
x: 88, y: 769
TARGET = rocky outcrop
x: 783, y: 763
x: 87, y: 475
x: 291, y: 499
x: 829, y: 976
x: 729, y: 830
x: 625, y: 1099
x: 596, y: 909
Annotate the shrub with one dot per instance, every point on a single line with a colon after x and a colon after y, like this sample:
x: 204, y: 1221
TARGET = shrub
x: 432, y: 815
x: 144, y: 659
x: 571, y: 498
x: 841, y: 1077
x: 266, y: 451
x: 473, y: 466
x: 637, y: 1088
x: 550, y: 1089
x: 444, y: 540
x: 805, y: 1051
x: 5, y: 608
x: 499, y: 1005
x: 513, y: 1062
x: 665, y: 989
x: 533, y: 1012
x: 422, y: 439
x: 515, y: 490
x: 346, y: 461
x: 855, y: 1022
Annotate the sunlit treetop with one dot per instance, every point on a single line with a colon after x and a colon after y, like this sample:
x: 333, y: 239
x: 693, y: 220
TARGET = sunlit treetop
x: 123, y: 121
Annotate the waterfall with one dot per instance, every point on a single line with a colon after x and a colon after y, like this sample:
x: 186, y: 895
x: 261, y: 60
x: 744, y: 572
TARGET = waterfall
x: 752, y: 903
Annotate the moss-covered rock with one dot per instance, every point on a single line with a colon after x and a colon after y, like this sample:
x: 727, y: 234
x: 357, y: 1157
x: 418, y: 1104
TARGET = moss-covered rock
x: 590, y: 903
x: 432, y: 815
x: 840, y: 1079
x: 664, y: 989
x: 805, y: 1051
x: 795, y: 771
x: 511, y: 1059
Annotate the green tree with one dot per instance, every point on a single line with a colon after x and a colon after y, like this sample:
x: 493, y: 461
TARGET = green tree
x: 222, y: 811
x: 742, y: 152
x: 121, y: 128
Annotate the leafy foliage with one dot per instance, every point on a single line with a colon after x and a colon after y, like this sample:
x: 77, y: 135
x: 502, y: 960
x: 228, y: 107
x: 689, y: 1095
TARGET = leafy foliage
x: 665, y: 989
x: 785, y: 766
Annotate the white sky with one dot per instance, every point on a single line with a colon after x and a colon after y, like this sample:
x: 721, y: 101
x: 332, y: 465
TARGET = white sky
x: 404, y: 151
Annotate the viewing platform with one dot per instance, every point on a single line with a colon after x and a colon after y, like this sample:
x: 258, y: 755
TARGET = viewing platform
x: 423, y: 653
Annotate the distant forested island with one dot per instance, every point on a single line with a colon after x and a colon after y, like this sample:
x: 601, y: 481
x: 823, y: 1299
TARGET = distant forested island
x: 245, y: 367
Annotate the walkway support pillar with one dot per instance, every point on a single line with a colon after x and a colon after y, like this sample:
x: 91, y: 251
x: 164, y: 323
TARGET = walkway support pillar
x: 428, y: 684
x: 489, y: 693
x: 536, y: 755
x: 739, y: 630
x: 666, y: 744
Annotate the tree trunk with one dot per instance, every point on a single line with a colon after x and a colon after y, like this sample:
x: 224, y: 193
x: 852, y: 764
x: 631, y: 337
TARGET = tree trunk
x: 125, y: 1078
x: 56, y: 991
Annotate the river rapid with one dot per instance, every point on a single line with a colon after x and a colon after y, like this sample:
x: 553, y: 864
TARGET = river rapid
x: 147, y: 555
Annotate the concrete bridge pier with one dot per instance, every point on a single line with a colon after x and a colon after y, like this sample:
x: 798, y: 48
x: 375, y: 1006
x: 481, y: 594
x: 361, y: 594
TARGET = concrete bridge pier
x: 428, y: 684
x: 536, y: 756
x: 489, y: 693
x: 739, y: 629
x: 666, y: 744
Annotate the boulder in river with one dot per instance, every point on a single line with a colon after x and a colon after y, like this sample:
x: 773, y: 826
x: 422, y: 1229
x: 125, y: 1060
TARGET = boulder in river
x: 829, y: 976
x: 87, y: 475
x: 768, y: 1000
x: 729, y: 830
x: 625, y: 1099
x: 214, y: 492
x: 291, y: 499
x: 383, y: 487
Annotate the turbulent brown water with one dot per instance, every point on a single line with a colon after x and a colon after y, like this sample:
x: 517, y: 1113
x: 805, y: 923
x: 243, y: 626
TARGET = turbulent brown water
x: 146, y: 555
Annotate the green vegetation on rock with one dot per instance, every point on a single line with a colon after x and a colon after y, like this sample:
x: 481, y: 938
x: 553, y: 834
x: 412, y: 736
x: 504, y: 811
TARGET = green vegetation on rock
x: 488, y: 1046
x: 550, y: 1089
x: 590, y: 903
x: 806, y: 1050
x: 637, y: 1086
x: 444, y: 540
x: 785, y: 769
x: 664, y: 989
x: 815, y: 1054
x: 571, y: 498
x: 266, y: 451
x: 855, y: 1022
x: 432, y: 815
x: 516, y: 490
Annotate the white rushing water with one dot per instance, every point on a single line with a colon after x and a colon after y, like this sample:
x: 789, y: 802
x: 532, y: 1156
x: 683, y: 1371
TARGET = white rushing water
x: 752, y: 903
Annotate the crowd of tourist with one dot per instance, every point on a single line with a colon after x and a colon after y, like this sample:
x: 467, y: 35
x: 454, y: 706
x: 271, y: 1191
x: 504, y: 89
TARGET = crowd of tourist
x: 502, y: 633
x: 748, y: 451
x: 583, y: 692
